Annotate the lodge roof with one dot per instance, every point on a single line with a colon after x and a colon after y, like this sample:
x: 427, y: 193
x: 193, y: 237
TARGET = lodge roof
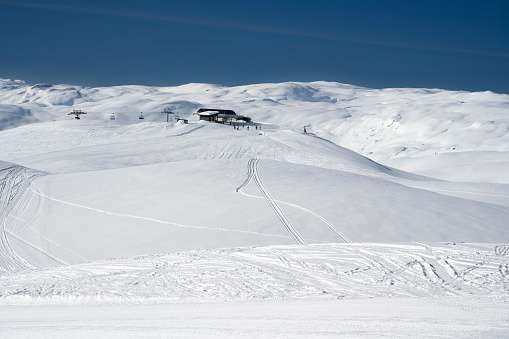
x: 203, y: 111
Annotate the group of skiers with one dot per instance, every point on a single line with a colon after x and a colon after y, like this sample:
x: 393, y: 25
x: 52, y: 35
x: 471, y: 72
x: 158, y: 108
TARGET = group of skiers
x: 256, y: 127
x: 238, y: 127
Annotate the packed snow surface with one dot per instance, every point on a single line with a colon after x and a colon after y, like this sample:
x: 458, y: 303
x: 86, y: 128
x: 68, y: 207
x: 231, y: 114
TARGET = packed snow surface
x: 354, y: 290
x: 256, y: 231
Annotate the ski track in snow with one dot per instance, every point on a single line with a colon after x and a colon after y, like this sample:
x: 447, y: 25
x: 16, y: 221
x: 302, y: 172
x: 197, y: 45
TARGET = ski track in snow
x: 253, y: 165
x: 38, y: 249
x: 152, y: 219
x: 15, y: 181
x: 45, y: 239
x: 317, y: 271
x: 252, y: 168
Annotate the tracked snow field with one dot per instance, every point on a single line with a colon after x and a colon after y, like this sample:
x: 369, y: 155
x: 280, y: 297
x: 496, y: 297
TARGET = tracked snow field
x: 330, y: 290
x: 204, y: 186
x: 14, y: 182
x: 328, y: 271
x: 142, y: 228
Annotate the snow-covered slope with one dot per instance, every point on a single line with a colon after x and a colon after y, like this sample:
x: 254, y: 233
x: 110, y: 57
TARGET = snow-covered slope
x: 320, y: 272
x: 171, y: 187
x: 95, y: 190
x: 144, y: 211
x: 383, y: 124
x: 329, y: 290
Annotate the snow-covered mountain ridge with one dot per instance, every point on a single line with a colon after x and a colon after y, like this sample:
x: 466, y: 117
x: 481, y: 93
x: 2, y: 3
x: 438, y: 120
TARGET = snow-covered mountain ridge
x: 380, y: 123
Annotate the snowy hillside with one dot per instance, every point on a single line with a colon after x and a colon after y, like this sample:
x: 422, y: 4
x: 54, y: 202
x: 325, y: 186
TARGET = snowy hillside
x: 394, y: 126
x: 161, y: 187
x: 128, y: 211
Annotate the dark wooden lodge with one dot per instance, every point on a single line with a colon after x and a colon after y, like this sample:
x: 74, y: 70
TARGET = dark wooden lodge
x: 220, y: 115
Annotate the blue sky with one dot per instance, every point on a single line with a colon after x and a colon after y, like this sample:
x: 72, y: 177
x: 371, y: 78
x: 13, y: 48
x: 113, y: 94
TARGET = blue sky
x: 460, y: 45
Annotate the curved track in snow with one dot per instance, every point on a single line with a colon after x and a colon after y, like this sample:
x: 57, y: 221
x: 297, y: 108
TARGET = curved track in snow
x: 14, y: 182
x: 252, y: 168
x: 284, y: 220
x: 154, y: 219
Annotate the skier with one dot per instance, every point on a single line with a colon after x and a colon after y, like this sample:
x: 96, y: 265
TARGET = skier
x: 304, y: 129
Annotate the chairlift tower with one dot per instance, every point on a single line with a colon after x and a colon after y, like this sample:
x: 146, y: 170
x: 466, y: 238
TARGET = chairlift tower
x: 167, y: 111
x: 77, y: 113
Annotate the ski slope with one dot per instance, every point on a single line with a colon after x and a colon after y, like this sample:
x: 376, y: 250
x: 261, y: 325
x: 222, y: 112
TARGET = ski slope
x: 177, y: 187
x: 137, y: 216
x: 447, y: 130
x: 318, y: 271
x: 326, y: 290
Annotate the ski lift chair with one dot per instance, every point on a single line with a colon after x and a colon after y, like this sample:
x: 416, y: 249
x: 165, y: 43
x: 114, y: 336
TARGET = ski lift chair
x: 112, y: 116
x: 141, y: 116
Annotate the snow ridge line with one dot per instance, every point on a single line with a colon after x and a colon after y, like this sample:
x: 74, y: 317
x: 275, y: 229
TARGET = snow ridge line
x: 153, y: 219
x: 293, y: 232
x: 324, y: 221
x: 456, y: 191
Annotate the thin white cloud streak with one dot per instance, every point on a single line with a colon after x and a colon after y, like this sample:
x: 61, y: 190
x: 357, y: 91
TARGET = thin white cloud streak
x: 244, y: 27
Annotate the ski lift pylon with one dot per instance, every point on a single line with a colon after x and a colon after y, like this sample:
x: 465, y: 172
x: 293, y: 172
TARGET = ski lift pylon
x: 77, y: 113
